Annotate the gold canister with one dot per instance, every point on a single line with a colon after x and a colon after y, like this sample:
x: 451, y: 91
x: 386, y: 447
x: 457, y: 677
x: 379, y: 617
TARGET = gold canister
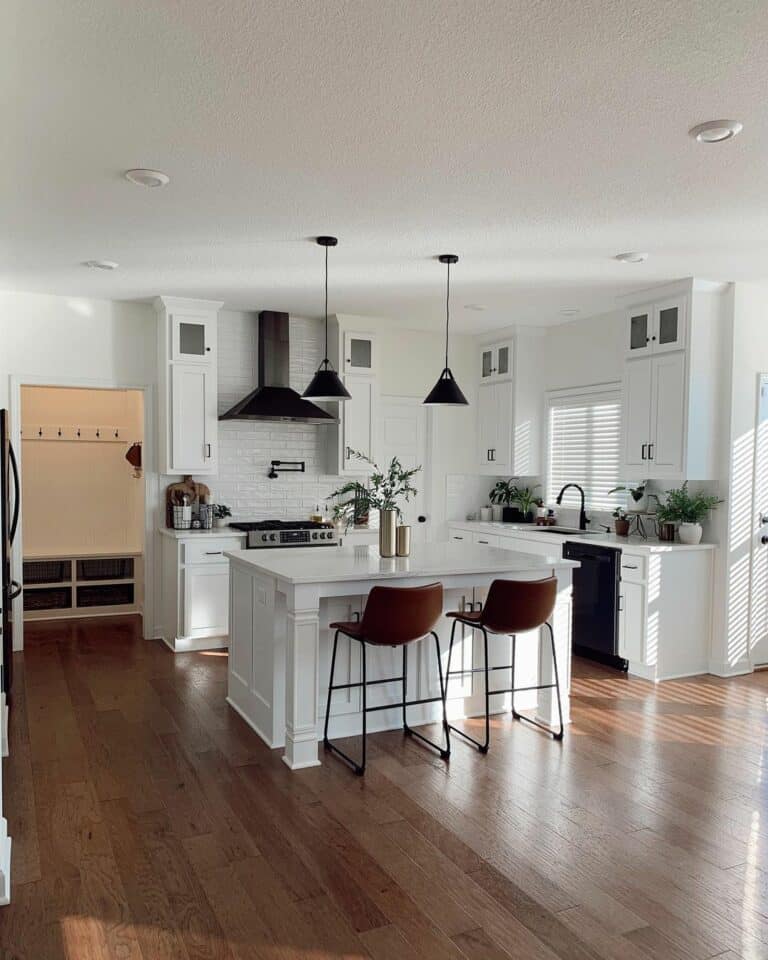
x: 403, y: 541
x: 387, y: 524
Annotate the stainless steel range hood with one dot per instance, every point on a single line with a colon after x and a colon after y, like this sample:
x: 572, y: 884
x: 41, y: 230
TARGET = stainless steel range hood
x: 274, y: 399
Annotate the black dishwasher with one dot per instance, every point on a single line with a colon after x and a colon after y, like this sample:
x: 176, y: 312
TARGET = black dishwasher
x: 595, y: 627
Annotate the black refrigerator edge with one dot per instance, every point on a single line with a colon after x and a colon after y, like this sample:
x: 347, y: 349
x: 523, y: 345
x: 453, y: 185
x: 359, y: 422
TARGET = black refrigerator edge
x: 9, y: 520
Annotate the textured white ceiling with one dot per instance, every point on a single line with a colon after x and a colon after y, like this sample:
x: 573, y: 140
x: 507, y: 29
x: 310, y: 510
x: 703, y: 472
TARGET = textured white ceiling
x: 535, y: 139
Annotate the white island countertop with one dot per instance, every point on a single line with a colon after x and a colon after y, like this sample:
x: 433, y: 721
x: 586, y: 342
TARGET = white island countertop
x: 296, y: 565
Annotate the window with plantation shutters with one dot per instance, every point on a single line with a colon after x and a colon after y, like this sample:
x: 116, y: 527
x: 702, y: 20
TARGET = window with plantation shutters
x: 584, y: 446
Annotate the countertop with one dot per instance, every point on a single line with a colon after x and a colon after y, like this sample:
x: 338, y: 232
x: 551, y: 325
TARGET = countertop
x: 194, y: 534
x: 633, y: 544
x: 310, y: 565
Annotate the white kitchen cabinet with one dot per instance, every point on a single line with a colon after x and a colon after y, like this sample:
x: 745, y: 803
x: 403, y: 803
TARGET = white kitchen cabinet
x: 508, y: 414
x: 359, y: 353
x: 495, y: 403
x: 195, y: 588
x: 654, y: 416
x: 672, y: 385
x: 193, y: 412
x: 659, y: 327
x: 496, y: 361
x: 632, y: 621
x: 485, y: 539
x: 187, y: 385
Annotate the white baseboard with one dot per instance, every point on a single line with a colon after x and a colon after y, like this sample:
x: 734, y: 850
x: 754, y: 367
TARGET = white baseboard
x: 724, y: 669
x: 3, y: 727
x: 193, y: 645
x: 5, y: 863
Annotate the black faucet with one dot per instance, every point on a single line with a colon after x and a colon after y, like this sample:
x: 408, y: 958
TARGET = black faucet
x: 582, y: 512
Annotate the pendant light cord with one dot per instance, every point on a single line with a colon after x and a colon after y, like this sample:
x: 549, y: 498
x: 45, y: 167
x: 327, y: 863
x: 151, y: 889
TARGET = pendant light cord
x: 447, y: 311
x: 325, y: 361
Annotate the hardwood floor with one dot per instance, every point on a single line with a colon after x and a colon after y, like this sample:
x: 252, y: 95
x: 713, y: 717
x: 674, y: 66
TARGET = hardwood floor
x: 150, y: 823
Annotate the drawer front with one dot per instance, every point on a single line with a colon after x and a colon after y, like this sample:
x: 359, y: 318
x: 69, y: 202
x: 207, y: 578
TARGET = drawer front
x: 454, y: 534
x: 485, y: 539
x: 210, y: 550
x: 634, y: 567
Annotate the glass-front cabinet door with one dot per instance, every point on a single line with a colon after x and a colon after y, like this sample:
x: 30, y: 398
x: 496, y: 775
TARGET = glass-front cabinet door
x: 669, y: 325
x: 193, y: 338
x: 639, y: 331
x: 359, y: 352
x: 496, y: 361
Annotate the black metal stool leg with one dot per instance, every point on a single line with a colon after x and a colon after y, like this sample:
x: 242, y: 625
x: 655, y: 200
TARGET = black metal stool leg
x: 444, y: 752
x: 443, y: 696
x: 330, y: 690
x: 515, y: 714
x: 482, y: 747
x: 556, y: 734
x: 359, y: 768
x: 406, y: 728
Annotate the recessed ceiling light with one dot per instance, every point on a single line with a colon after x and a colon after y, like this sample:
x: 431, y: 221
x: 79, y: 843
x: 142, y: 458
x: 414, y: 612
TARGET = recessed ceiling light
x: 477, y: 307
x: 102, y: 264
x: 715, y: 131
x: 633, y: 256
x: 147, y: 178
x: 569, y: 311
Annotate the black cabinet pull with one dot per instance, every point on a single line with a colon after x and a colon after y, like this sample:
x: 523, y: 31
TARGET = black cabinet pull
x: 650, y: 450
x: 642, y: 451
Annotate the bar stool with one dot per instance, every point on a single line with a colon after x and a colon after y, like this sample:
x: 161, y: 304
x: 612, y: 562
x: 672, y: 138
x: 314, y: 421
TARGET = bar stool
x: 512, y: 607
x: 393, y: 617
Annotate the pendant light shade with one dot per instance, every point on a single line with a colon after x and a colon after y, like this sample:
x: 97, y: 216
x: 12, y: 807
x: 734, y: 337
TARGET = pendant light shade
x: 446, y: 392
x: 326, y: 384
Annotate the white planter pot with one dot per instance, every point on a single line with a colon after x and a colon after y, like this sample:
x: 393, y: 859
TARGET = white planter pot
x: 638, y: 506
x: 689, y: 533
x: 485, y: 513
x: 497, y: 512
x: 220, y: 522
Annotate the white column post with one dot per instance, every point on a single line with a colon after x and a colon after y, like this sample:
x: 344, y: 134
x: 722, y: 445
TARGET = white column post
x: 301, y: 676
x: 546, y: 709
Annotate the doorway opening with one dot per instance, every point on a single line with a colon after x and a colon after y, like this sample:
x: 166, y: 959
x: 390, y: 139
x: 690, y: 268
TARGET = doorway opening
x: 83, y: 502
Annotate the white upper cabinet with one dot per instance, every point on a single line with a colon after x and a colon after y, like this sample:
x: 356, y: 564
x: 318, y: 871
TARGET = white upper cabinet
x: 671, y: 382
x: 656, y: 327
x: 496, y: 361
x: 357, y: 423
x: 193, y: 338
x: 509, y: 404
x: 359, y: 353
x: 187, y: 382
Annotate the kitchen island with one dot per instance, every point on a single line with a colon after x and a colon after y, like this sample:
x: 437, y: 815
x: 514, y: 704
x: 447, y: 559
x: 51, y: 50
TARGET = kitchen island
x: 282, y: 600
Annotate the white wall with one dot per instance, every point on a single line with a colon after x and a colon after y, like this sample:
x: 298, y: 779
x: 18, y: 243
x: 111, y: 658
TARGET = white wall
x: 408, y: 363
x: 740, y: 606
x: 80, y: 495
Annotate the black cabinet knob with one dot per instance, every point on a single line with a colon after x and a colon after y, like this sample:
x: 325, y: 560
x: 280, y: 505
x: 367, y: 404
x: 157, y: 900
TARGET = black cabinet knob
x: 422, y: 519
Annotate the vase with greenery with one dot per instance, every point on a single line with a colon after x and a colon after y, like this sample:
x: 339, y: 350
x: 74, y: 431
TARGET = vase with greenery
x: 687, y: 510
x: 386, y: 491
x: 526, y: 500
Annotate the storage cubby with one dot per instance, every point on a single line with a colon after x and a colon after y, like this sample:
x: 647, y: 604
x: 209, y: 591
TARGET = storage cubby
x: 66, y: 587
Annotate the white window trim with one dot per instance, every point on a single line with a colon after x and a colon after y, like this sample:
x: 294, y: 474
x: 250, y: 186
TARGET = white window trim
x: 564, y: 397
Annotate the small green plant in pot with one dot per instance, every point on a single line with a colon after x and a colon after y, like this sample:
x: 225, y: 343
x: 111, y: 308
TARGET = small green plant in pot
x: 639, y: 502
x: 620, y: 522
x: 687, y: 511
x: 221, y: 514
x: 352, y: 504
x: 526, y: 500
x: 500, y: 496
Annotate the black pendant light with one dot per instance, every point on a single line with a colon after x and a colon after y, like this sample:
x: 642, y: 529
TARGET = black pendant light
x: 446, y: 392
x: 326, y: 385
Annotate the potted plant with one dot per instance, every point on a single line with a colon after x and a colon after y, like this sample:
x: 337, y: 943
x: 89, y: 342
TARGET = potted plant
x: 687, y: 510
x: 638, y: 494
x: 620, y: 522
x: 386, y: 490
x: 220, y: 514
x: 500, y: 498
x: 526, y: 500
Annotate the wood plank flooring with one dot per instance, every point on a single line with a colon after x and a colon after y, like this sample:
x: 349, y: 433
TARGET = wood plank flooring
x: 149, y: 823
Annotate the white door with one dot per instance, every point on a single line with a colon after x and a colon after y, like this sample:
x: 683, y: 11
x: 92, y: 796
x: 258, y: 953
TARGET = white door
x: 193, y: 419
x: 358, y: 424
x: 667, y: 416
x: 403, y: 434
x: 637, y: 415
x: 486, y: 423
x: 758, y: 614
x: 501, y: 449
x: 632, y: 622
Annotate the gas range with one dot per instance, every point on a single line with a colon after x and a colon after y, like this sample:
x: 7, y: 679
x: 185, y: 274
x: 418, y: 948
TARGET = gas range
x: 287, y: 533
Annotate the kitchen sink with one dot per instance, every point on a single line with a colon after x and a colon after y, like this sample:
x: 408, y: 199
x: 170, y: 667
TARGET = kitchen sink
x: 571, y: 531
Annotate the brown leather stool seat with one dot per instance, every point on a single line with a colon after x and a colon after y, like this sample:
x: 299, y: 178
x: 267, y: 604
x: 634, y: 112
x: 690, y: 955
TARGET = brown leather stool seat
x: 393, y: 617
x: 512, y: 607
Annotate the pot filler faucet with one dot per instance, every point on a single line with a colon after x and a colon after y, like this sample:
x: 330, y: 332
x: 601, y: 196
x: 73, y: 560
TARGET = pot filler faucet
x: 582, y: 512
